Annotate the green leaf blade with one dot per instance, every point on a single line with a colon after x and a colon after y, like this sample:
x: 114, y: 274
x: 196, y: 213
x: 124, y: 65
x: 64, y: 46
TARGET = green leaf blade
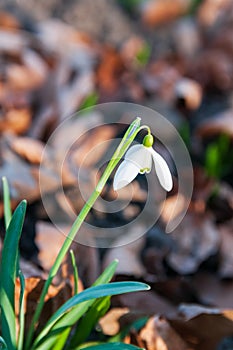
x: 8, y: 271
x: 77, y: 312
x: 21, y: 311
x: 61, y: 318
x: 90, y: 319
x: 99, y: 292
x: 110, y: 346
x: 6, y: 202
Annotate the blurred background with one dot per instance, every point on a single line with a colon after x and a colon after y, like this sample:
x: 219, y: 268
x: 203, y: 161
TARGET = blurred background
x: 174, y: 56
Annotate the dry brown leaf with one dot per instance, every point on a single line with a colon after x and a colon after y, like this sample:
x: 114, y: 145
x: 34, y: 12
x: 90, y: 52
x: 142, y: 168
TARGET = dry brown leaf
x: 53, y: 32
x: 160, y: 78
x: 19, y: 77
x: 195, y: 240
x: 159, y: 335
x: 92, y: 146
x: 109, y: 70
x: 224, y: 40
x: 194, y: 323
x: 110, y: 322
x: 176, y: 289
x: 49, y: 240
x: 144, y: 303
x: 28, y: 148
x: 221, y: 123
x: 187, y: 37
x: 16, y: 120
x: 209, y: 11
x: 189, y: 93
x: 11, y: 42
x: 226, y: 251
x: 55, y: 298
x: 156, y: 12
x: 128, y: 255
x: 8, y: 21
x: 212, y: 290
x: 213, y: 69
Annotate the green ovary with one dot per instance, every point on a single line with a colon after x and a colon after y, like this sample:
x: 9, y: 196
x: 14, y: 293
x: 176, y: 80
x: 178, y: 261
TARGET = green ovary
x: 144, y: 170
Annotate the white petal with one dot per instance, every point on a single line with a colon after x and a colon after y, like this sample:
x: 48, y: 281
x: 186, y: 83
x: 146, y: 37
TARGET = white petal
x: 125, y: 174
x: 140, y: 156
x: 162, y: 170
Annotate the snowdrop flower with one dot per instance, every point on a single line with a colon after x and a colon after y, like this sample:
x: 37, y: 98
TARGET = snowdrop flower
x: 138, y: 160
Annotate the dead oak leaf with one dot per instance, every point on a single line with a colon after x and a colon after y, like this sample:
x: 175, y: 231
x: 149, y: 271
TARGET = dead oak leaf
x: 56, y: 296
x: 221, y: 123
x: 203, y: 327
x: 28, y: 148
x: 110, y: 322
x: 226, y: 259
x: 195, y: 240
x: 159, y: 335
x: 212, y: 290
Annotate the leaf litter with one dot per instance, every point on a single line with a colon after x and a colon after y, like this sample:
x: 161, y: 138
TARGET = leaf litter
x: 47, y: 72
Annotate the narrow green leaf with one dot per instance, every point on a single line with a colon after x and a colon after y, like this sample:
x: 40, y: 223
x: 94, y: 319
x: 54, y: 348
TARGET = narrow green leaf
x: 6, y: 202
x: 107, y: 274
x: 110, y: 346
x: 88, y: 294
x: 73, y: 262
x: 89, y: 320
x: 56, y: 340
x: 70, y: 318
x: 2, y: 344
x: 21, y: 311
x: 8, y: 274
x: 95, y: 292
x: 67, y: 321
x: 89, y: 101
x: 212, y: 160
x: 143, y: 55
x: 61, y: 340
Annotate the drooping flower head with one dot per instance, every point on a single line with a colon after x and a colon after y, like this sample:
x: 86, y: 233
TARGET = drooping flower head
x: 138, y: 160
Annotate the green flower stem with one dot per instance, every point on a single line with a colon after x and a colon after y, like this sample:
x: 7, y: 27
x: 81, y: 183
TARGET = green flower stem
x: 75, y: 272
x: 128, y: 138
x: 6, y: 202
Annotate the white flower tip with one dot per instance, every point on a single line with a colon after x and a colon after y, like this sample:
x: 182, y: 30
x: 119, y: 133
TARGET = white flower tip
x: 168, y: 185
x: 162, y: 171
x: 119, y: 185
x: 125, y: 174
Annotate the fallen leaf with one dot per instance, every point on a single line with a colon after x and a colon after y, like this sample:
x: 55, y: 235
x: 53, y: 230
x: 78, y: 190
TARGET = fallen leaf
x: 157, y: 12
x: 110, y: 322
x: 188, y: 93
x: 143, y: 304
x: 28, y: 148
x: 212, y: 290
x: 221, y: 123
x: 8, y: 21
x: 159, y: 335
x: 111, y: 66
x: 16, y: 120
x: 209, y: 11
x: 56, y: 296
x: 195, y: 240
x: 226, y: 251
x: 11, y: 42
x: 127, y: 254
x: 194, y: 323
x: 49, y: 240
